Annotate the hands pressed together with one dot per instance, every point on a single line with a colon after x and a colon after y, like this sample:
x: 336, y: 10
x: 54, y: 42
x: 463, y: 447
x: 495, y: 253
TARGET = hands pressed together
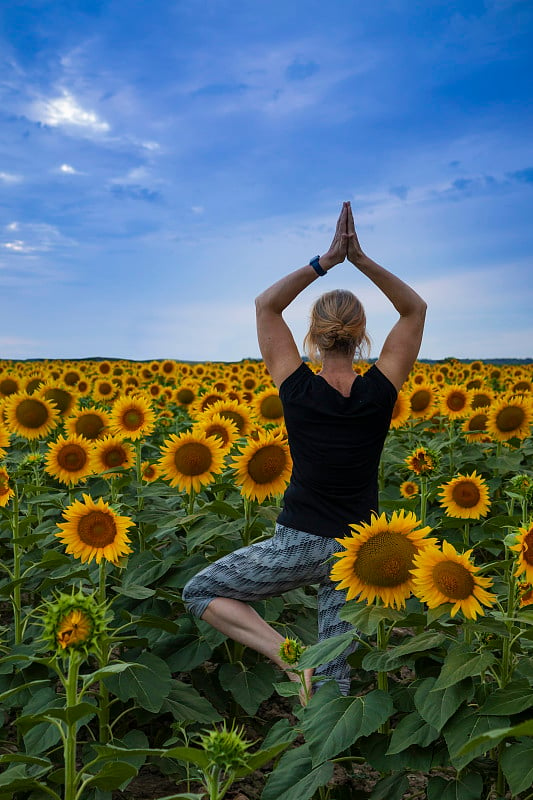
x: 345, y: 243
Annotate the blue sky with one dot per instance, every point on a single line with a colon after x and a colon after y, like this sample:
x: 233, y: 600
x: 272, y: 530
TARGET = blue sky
x: 162, y: 162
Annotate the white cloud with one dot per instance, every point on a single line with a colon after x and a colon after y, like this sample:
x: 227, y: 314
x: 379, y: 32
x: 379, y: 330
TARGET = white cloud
x: 8, y: 177
x: 197, y: 209
x: 34, y: 238
x: 67, y: 169
x: 65, y: 110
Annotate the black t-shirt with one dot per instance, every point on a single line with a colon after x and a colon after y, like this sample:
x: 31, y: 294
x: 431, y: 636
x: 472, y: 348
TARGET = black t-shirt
x: 335, y: 444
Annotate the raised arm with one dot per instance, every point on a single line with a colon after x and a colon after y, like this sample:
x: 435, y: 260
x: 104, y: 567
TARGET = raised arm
x: 276, y: 341
x: 402, y: 344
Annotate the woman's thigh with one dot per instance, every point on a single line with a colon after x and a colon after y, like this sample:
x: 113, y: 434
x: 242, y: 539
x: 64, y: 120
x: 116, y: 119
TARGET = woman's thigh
x: 265, y: 569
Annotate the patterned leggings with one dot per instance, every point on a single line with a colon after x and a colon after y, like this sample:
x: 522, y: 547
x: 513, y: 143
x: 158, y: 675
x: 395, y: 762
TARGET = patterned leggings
x: 269, y: 568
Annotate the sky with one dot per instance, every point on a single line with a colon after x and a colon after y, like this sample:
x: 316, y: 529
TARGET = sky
x: 163, y: 162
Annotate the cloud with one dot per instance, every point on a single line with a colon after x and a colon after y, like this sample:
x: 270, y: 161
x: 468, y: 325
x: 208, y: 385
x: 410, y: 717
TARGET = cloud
x: 8, y: 177
x: 523, y: 175
x: 67, y: 169
x: 33, y: 238
x: 65, y: 110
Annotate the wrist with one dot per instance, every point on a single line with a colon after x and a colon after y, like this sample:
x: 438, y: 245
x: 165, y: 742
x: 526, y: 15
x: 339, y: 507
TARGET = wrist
x: 327, y: 262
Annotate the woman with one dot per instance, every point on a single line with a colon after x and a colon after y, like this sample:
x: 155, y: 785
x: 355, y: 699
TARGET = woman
x: 336, y: 424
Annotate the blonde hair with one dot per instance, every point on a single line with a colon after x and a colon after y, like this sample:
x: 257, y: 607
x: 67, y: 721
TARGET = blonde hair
x: 337, y: 323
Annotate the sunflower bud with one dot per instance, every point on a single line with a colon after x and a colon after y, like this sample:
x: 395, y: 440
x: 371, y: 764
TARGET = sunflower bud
x: 74, y: 621
x: 523, y: 485
x: 422, y: 461
x: 225, y: 748
x: 291, y: 651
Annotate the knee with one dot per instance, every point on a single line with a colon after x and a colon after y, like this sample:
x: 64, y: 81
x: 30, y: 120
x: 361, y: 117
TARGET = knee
x: 194, y: 600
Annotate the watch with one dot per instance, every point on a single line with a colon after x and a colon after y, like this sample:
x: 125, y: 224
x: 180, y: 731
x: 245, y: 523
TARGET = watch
x: 316, y: 266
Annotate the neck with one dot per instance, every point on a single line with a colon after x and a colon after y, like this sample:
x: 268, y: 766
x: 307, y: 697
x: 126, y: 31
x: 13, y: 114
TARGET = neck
x: 337, y: 364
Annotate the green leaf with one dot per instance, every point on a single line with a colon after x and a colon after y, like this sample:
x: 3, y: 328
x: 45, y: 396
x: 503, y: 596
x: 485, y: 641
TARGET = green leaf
x: 31, y: 684
x: 366, y: 617
x: 516, y: 697
x: 467, y: 787
x: 72, y: 714
x: 135, y: 591
x: 436, y: 707
x: 281, y: 731
x: 387, y: 660
x: 288, y: 689
x: 112, y: 775
x: 260, y: 758
x: 411, y: 729
x: 295, y: 778
x: 496, y: 735
x: 184, y: 796
x: 393, y: 787
x: 189, y: 653
x: 116, y: 752
x: 332, y: 722
x: 249, y: 686
x: 461, y: 663
x: 148, y: 682
x: 111, y: 669
x: 191, y: 755
x: 325, y: 651
x: 185, y: 703
x: 21, y: 758
x: 517, y: 765
x: 468, y: 727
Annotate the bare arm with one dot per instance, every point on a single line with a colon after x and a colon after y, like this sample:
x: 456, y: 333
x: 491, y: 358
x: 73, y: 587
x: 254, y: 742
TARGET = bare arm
x: 276, y: 341
x: 402, y: 344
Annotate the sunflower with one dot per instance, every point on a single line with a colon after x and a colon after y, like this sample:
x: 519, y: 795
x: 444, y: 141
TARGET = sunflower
x: 104, y: 368
x: 267, y: 406
x: 455, y: 401
x: 93, y: 530
x: 409, y: 489
x: 378, y: 557
x: 6, y: 492
x: 70, y: 459
x: 29, y: 416
x: 91, y: 423
x: 71, y: 377
x: 111, y: 452
x: 422, y: 461
x: 74, y: 621
x: 149, y: 472
x: 475, y: 427
x: 223, y: 429
x: 191, y: 460
x: 401, y: 411
x: 236, y: 412
x: 465, y: 497
x: 186, y: 394
x: 104, y: 389
x: 446, y: 576
x: 263, y: 468
x: 132, y: 417
x: 168, y: 368
x: 422, y: 400
x: 524, y: 548
x: 509, y: 419
x: 9, y: 384
x: 4, y: 440
x: 64, y: 399
x: 525, y: 591
x: 204, y: 402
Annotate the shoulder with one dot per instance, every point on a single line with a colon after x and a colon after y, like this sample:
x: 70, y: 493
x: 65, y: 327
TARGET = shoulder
x: 298, y: 378
x: 377, y: 382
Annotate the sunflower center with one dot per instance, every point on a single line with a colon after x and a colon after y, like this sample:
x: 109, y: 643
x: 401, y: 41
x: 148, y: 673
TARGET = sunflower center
x: 267, y: 464
x: 72, y: 457
x: 456, y: 401
x: 105, y: 388
x: 420, y: 400
x: 271, y: 407
x: 385, y: 559
x: 32, y: 385
x: 481, y: 401
x: 90, y: 426
x: 133, y: 418
x: 115, y: 456
x: 478, y: 422
x: 32, y: 413
x: 235, y: 417
x: 71, y: 378
x: 219, y: 432
x: 97, y: 529
x: 4, y: 485
x: 185, y: 396
x: 193, y: 458
x: 8, y: 386
x: 453, y: 580
x: 510, y: 418
x: 60, y: 397
x: 527, y: 549
x: 466, y: 494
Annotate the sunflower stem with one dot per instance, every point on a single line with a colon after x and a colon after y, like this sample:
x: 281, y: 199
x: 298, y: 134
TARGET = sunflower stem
x: 140, y: 498
x: 17, y: 556
x: 382, y: 676
x: 69, y: 748
x: 247, y: 522
x: 192, y: 497
x: 466, y: 534
x: 103, y: 659
x: 423, y: 498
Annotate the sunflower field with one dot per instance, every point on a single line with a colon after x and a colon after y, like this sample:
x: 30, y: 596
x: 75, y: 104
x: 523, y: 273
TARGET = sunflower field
x: 121, y: 480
